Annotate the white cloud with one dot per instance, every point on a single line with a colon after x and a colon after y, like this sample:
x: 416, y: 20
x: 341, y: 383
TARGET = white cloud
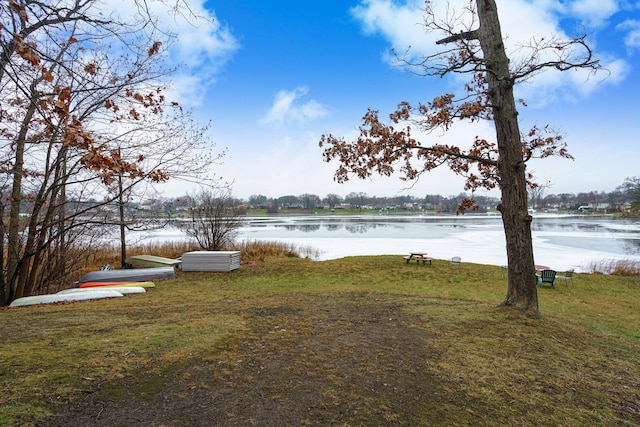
x: 632, y: 38
x: 186, y: 88
x: 553, y: 86
x: 615, y: 72
x: 522, y: 22
x: 288, y: 108
x: 401, y: 25
x: 594, y: 13
x: 201, y: 48
x: 205, y: 41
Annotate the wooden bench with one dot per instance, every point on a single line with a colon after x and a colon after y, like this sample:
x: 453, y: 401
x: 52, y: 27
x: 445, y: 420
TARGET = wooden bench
x: 418, y: 258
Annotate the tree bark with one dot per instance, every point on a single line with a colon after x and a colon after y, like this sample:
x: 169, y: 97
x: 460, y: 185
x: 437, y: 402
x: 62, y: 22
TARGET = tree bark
x: 123, y: 235
x: 14, y: 246
x: 4, y: 289
x: 521, y: 291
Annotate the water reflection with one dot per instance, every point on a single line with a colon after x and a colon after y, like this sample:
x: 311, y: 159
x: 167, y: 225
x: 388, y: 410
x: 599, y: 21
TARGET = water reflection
x: 333, y: 225
x: 586, y: 225
x: 600, y: 234
x: 359, y: 228
x: 305, y: 228
x: 309, y: 228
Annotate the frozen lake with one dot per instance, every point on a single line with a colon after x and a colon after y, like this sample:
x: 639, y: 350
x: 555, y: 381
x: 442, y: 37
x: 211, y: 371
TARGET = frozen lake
x: 560, y: 241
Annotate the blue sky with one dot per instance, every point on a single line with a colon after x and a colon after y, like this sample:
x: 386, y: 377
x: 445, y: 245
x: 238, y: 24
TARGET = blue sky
x: 273, y: 76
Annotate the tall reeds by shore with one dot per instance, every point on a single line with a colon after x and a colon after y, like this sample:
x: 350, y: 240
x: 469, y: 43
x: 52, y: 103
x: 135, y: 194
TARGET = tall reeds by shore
x: 251, y: 250
x: 616, y: 267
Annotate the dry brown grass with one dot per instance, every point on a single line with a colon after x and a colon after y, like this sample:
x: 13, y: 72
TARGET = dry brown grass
x: 259, y: 250
x: 171, y: 249
x: 616, y: 267
x: 250, y: 251
x: 354, y: 341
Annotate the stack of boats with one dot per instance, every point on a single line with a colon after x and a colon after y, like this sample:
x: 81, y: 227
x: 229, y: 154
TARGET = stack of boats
x: 103, y: 284
x: 210, y: 260
x: 117, y: 283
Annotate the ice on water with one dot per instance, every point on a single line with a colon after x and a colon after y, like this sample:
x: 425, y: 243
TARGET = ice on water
x: 561, y: 242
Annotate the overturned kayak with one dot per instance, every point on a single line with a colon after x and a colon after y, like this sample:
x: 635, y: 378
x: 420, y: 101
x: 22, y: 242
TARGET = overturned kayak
x: 89, y: 285
x: 129, y: 275
x: 53, y: 298
x: 124, y: 290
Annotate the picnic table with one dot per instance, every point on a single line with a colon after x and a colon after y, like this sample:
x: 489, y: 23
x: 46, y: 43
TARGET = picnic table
x: 418, y: 256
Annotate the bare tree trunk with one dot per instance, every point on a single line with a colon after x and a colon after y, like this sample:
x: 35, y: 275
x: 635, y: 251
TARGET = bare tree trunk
x: 123, y: 236
x: 38, y: 236
x: 60, y: 253
x: 521, y: 290
x: 13, y: 236
x: 4, y: 289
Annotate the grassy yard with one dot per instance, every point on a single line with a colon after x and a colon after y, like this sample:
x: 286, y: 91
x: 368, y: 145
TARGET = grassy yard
x: 359, y: 341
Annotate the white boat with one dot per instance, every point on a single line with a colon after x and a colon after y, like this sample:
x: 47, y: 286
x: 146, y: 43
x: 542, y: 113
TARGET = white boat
x: 124, y: 290
x: 52, y: 298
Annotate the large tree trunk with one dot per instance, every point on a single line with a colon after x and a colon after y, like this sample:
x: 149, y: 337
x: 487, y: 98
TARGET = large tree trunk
x: 521, y: 291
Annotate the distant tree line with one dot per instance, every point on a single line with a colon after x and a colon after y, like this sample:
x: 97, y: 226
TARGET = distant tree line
x: 625, y: 198
x: 363, y: 201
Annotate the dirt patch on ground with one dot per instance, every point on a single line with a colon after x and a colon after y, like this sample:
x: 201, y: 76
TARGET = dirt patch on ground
x: 305, y: 360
